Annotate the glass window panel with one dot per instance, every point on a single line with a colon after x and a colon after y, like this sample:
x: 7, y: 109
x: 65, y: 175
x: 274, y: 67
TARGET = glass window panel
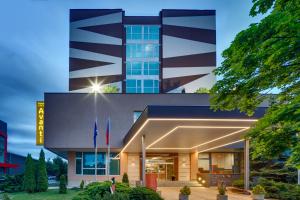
x: 78, y: 155
x: 88, y: 171
x: 148, y: 83
x: 131, y: 90
x: 148, y: 90
x: 139, y: 83
x: 131, y: 83
x: 114, y: 167
x: 101, y: 171
x: 88, y: 160
x: 101, y: 159
x: 137, y: 29
x: 78, y: 166
x: 155, y: 83
x: 156, y: 90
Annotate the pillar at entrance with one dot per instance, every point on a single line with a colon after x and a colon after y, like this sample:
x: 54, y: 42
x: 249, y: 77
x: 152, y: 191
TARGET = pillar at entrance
x: 247, y: 164
x: 143, y: 161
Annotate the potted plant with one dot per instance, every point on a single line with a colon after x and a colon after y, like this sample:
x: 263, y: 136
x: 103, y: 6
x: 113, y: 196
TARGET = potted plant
x: 184, y: 193
x: 222, y: 192
x: 173, y: 177
x: 258, y: 193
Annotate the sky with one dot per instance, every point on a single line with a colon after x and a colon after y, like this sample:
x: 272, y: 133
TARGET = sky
x: 34, y: 36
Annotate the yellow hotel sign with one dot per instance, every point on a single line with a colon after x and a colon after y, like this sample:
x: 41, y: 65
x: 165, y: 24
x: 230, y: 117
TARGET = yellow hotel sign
x: 40, y: 122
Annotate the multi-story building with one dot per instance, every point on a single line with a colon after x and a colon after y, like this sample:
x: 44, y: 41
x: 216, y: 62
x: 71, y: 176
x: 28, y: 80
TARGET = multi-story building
x: 155, y: 128
x: 10, y: 163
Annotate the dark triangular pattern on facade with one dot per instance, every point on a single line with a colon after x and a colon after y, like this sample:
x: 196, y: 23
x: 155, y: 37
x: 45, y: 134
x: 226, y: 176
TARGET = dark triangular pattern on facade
x: 169, y: 84
x: 86, y: 82
x: 194, y: 60
x: 114, y: 30
x: 108, y: 49
x: 77, y: 64
x: 196, y: 34
x: 80, y: 14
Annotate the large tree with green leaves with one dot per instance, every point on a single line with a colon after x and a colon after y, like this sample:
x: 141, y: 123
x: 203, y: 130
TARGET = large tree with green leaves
x: 263, y: 58
x: 29, y: 183
x: 42, y: 177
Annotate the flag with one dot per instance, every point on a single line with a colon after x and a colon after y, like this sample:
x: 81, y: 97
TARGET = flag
x: 107, y: 132
x: 95, y: 134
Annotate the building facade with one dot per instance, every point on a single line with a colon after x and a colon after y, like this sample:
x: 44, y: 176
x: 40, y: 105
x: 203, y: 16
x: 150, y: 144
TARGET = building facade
x: 174, y: 52
x: 10, y: 163
x: 159, y: 125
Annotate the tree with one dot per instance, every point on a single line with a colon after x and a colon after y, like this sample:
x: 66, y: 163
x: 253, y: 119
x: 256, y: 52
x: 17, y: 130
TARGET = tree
x: 56, y: 167
x: 125, y: 178
x: 29, y: 175
x: 202, y: 91
x: 62, y: 185
x: 263, y: 58
x: 110, y: 89
x: 42, y: 177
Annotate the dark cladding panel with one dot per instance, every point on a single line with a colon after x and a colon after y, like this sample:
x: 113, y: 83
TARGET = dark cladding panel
x: 95, y: 47
x: 142, y: 20
x: 189, y: 49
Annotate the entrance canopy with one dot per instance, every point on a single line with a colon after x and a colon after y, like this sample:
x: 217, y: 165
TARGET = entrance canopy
x: 187, y: 129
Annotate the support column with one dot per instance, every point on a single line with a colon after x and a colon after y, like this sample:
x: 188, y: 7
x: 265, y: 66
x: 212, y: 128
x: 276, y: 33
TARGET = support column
x: 143, y: 161
x: 247, y: 164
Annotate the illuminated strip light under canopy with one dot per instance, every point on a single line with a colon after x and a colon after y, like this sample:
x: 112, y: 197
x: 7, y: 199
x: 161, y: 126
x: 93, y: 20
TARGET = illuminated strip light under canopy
x: 203, y: 127
x: 219, y: 146
x: 181, y: 119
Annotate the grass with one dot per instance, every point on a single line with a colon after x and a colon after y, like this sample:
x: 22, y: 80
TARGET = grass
x: 49, y: 195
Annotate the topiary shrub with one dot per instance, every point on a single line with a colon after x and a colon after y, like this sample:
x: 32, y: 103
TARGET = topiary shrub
x: 125, y: 178
x: 81, y: 185
x: 238, y: 183
x: 185, y: 190
x: 258, y: 189
x: 122, y: 188
x: 62, y: 185
x: 5, y: 197
x: 143, y: 193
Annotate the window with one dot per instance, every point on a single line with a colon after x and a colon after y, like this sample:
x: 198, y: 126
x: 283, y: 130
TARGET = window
x: 2, y: 149
x: 151, y: 68
x: 134, y: 68
x: 136, y: 115
x: 150, y: 86
x: 133, y: 86
x: 139, y: 32
x: 203, y: 162
x: 136, y: 50
x: 85, y: 163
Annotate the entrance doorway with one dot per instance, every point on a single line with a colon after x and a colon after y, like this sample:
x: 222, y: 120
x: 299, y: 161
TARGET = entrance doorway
x: 162, y: 165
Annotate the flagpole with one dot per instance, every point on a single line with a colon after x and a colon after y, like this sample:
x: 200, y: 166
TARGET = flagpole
x: 108, y: 150
x: 96, y: 163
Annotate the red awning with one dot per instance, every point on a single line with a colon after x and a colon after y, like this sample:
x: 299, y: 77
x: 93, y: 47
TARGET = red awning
x: 8, y: 165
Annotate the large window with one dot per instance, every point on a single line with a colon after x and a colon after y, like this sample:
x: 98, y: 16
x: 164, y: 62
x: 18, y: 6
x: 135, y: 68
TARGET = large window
x: 2, y: 149
x: 142, y: 86
x: 139, y: 32
x: 142, y: 59
x: 85, y: 163
x: 142, y: 50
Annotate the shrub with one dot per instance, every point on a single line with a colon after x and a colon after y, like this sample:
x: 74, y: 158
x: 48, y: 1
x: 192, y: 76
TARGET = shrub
x: 125, y: 178
x: 81, y: 185
x: 143, y: 193
x: 29, y: 176
x: 12, y: 184
x: 185, y: 190
x: 62, y: 185
x: 5, y: 197
x: 115, y: 196
x: 238, y: 183
x: 122, y: 188
x: 258, y: 189
x: 222, y: 188
x: 42, y: 177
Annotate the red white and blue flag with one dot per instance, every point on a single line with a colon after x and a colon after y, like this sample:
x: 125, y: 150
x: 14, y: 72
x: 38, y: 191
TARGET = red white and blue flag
x: 108, y: 132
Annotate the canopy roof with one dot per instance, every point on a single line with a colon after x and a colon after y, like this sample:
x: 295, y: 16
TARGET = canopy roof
x: 188, y: 129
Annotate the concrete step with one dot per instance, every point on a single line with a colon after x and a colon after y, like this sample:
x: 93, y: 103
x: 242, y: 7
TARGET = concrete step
x: 178, y: 183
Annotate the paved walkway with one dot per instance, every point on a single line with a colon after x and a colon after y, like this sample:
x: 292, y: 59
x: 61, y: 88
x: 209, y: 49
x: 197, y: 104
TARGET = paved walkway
x: 199, y: 193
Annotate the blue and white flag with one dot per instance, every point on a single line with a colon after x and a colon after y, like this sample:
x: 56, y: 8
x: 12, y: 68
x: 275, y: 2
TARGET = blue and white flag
x: 95, y: 134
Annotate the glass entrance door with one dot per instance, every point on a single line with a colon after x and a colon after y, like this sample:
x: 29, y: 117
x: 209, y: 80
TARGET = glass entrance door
x: 162, y: 165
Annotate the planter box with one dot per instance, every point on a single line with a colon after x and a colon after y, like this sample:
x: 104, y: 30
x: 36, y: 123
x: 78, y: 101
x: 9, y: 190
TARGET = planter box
x: 222, y: 197
x: 183, y: 197
x: 258, y: 196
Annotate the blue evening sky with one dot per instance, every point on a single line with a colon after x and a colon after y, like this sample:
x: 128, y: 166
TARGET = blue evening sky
x: 34, y: 51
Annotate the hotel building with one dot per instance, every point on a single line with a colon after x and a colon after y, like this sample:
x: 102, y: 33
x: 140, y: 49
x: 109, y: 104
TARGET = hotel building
x: 159, y: 124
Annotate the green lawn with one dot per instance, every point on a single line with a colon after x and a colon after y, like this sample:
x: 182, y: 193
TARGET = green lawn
x: 49, y: 195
